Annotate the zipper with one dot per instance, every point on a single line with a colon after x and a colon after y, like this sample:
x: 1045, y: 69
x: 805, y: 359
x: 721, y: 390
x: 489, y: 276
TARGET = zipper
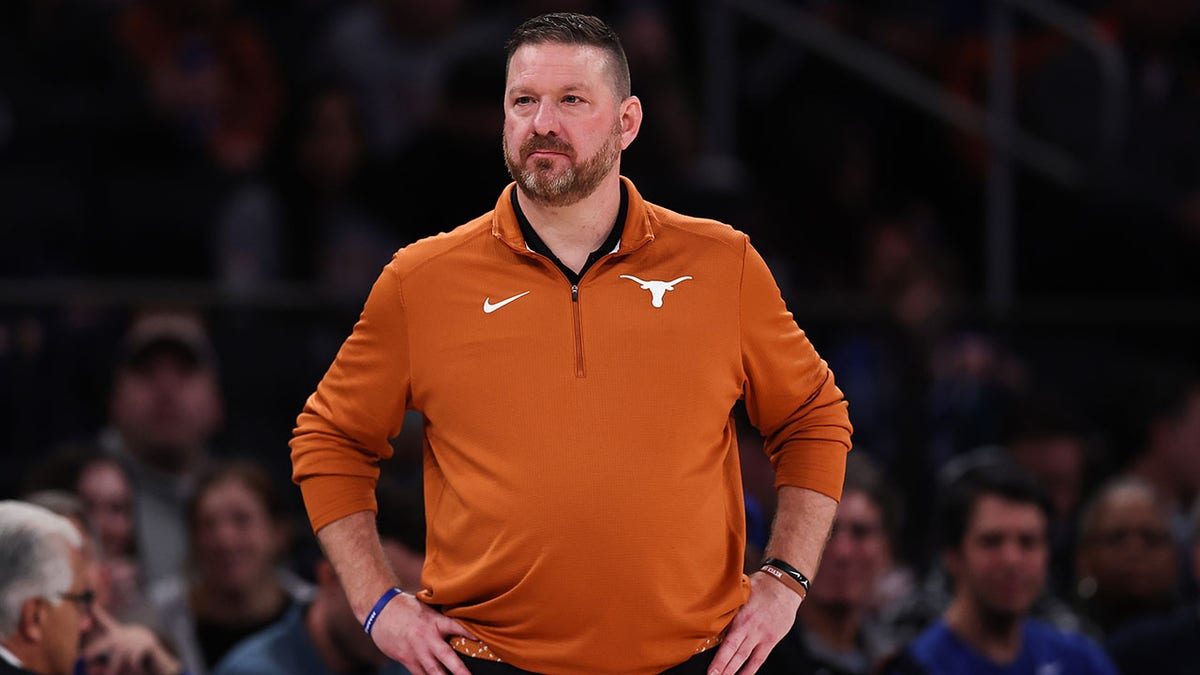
x: 579, y: 371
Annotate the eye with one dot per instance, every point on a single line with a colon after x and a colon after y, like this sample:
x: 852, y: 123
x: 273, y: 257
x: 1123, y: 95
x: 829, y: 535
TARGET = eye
x: 523, y: 100
x: 572, y: 98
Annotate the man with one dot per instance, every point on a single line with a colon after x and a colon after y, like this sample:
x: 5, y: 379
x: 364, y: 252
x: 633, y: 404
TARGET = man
x: 1127, y: 562
x: 576, y: 353
x: 994, y: 527
x: 835, y: 632
x: 324, y: 637
x: 44, y: 597
x: 164, y: 409
x: 1164, y: 645
x: 1167, y: 406
x: 108, y: 646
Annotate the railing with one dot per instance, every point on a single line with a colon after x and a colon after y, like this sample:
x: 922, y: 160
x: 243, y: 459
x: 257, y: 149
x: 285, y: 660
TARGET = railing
x: 994, y: 123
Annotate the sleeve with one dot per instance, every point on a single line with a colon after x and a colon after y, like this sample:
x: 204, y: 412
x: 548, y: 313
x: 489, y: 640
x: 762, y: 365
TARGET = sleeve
x: 789, y: 390
x: 344, y: 429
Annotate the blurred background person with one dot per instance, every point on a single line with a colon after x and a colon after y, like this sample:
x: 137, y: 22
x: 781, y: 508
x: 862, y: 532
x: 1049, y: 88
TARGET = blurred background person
x: 1166, y: 405
x: 165, y: 408
x: 1127, y: 563
x: 208, y: 73
x: 311, y: 217
x: 236, y: 583
x: 1049, y: 440
x: 104, y: 493
x: 836, y: 630
x: 44, y: 594
x: 108, y: 646
x: 994, y: 522
x: 1164, y: 645
x: 324, y: 637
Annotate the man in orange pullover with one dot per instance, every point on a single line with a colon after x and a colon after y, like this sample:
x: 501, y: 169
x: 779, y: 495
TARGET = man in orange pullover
x: 576, y: 354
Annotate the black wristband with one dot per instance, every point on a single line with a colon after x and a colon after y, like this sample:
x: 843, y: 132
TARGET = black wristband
x: 788, y: 570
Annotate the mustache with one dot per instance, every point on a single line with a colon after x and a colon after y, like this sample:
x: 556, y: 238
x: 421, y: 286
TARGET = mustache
x: 547, y: 143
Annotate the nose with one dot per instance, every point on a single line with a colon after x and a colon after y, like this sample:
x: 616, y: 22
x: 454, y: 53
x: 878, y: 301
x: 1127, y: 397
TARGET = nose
x: 545, y: 119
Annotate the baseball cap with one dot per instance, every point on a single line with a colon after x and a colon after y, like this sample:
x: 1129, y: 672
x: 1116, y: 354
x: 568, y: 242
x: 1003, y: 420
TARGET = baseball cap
x: 177, y: 334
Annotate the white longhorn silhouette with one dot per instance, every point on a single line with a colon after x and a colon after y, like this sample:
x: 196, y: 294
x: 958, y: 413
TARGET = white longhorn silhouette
x: 656, y: 288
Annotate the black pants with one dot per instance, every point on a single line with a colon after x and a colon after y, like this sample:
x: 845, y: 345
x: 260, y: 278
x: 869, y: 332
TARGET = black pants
x: 697, y: 665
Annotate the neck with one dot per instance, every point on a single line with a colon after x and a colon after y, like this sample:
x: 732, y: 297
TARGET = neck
x: 173, y: 461
x: 573, y: 232
x: 997, y: 637
x: 259, y: 602
x: 836, y: 624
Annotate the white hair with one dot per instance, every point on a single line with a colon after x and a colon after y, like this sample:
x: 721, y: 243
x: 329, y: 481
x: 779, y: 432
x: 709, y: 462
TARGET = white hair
x: 35, y: 558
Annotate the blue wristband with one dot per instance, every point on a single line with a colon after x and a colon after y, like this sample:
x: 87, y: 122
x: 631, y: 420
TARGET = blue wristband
x: 382, y: 602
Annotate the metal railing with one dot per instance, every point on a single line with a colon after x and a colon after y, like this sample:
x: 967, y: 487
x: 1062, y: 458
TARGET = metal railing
x: 995, y: 122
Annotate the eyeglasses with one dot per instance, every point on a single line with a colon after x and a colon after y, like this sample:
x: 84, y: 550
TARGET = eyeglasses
x: 83, y: 599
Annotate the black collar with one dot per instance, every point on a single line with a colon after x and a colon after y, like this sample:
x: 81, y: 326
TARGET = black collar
x: 535, y: 243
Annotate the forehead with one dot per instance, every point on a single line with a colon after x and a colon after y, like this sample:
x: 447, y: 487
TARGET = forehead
x: 1129, y: 505
x: 554, y: 65
x: 992, y: 513
x: 857, y: 506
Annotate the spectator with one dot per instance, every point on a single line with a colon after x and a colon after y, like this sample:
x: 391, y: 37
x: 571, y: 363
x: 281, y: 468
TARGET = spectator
x: 44, y: 596
x: 238, y: 531
x: 994, y: 526
x: 1051, y: 442
x: 106, y: 502
x: 396, y: 55
x: 165, y: 408
x: 1164, y: 645
x: 835, y: 632
x: 1167, y: 402
x: 1127, y: 563
x: 324, y: 637
x: 310, y: 221
x: 108, y: 646
x: 209, y: 73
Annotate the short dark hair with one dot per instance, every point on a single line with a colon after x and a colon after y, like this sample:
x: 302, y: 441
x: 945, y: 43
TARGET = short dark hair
x: 575, y: 29
x: 864, y: 477
x: 961, y: 497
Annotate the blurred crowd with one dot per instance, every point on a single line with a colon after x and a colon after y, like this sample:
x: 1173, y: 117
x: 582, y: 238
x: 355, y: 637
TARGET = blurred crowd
x: 255, y: 145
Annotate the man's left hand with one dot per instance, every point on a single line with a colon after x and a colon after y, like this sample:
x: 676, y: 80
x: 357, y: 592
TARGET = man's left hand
x: 757, y: 627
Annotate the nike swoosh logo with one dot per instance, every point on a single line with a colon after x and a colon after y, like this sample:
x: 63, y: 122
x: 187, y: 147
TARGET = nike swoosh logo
x: 488, y: 307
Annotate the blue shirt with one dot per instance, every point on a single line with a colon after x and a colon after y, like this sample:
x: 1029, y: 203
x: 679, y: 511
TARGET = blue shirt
x: 1045, y: 650
x: 283, y: 648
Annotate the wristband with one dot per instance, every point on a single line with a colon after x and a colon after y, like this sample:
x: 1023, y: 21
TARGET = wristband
x: 379, y: 605
x: 789, y: 575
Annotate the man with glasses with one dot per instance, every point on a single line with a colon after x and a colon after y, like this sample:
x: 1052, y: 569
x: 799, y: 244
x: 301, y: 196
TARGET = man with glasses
x: 45, y: 605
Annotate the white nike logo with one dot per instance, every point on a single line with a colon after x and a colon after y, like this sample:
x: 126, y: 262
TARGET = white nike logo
x: 489, y: 307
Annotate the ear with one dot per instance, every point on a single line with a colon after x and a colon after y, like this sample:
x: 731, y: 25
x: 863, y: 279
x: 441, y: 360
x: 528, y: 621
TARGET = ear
x: 631, y: 120
x: 31, y: 625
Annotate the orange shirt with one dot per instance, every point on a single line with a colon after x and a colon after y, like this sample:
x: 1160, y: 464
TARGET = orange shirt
x: 582, y: 487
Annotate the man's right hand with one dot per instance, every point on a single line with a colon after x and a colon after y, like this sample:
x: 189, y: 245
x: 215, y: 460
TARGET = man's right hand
x: 414, y: 634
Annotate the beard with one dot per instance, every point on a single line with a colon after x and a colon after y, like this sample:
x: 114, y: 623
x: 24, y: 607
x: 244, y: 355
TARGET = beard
x: 567, y: 186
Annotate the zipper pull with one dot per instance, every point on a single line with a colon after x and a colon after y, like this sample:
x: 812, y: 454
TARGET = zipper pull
x: 574, y: 292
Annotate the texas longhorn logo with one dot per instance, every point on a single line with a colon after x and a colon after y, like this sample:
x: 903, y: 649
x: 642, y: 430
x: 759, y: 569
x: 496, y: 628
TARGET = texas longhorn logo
x: 657, y: 288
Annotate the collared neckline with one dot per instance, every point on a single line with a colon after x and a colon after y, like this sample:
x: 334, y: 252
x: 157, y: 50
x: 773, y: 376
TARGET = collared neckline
x: 10, y: 658
x: 637, y: 230
x: 611, y: 243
